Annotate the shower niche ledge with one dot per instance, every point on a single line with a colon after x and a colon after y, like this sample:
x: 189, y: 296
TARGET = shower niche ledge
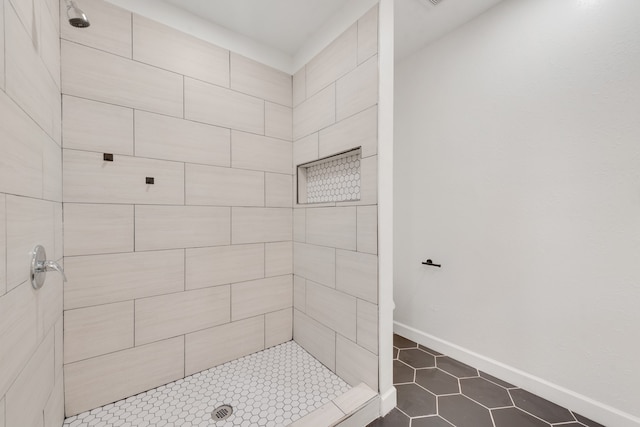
x: 335, y: 178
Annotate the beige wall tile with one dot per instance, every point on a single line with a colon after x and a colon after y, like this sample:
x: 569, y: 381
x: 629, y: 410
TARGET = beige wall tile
x: 54, y: 408
x: 30, y: 222
x: 22, y: 141
x: 326, y: 415
x: 101, y: 380
x: 28, y: 81
x: 278, y: 327
x: 169, y: 227
x: 368, y: 326
x: 209, y: 185
x: 360, y: 130
x: 299, y: 86
x: 50, y: 304
x: 28, y: 395
x: 278, y: 259
x: 358, y: 90
x: 357, y: 274
x: 300, y: 294
x: 223, y: 265
x: 167, y: 138
x: 305, y: 150
x: 52, y: 171
x: 368, y: 35
x: 368, y: 413
x: 332, y: 308
x: 256, y: 152
x: 334, y: 61
x: 18, y: 332
x: 261, y: 296
x: 97, y: 229
x: 316, y: 263
x: 50, y: 41
x: 215, y: 346
x: 96, y: 126
x: 334, y: 227
x: 317, y: 112
x: 171, y: 315
x: 110, y: 28
x: 254, y: 225
x: 316, y: 338
x: 87, y: 178
x: 102, y: 279
x: 25, y: 11
x: 278, y: 121
x: 58, y: 246
x: 2, y: 416
x: 278, y: 190
x: 94, y: 74
x: 98, y: 330
x: 368, y: 229
x: 223, y: 107
x: 355, y: 398
x: 355, y: 365
x: 300, y: 225
x: 262, y: 81
x: 164, y: 47
x: 3, y: 244
x: 1, y: 81
x: 59, y: 344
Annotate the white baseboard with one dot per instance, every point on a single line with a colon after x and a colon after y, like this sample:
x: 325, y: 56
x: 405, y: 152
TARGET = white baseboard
x: 592, y: 409
x: 388, y: 401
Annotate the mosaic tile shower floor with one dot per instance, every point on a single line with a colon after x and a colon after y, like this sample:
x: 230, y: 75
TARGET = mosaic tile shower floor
x: 272, y: 388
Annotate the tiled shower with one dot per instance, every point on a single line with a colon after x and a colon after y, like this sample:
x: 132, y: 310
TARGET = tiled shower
x: 172, y: 164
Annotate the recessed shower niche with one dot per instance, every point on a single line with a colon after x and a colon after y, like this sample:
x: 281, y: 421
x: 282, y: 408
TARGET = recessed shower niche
x: 335, y: 178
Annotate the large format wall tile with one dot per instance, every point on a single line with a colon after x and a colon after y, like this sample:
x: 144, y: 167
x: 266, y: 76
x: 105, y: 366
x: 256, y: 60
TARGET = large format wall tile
x: 224, y: 265
x: 368, y: 35
x: 162, y: 137
x: 216, y: 105
x: 278, y: 259
x: 278, y: 121
x: 96, y: 126
x: 101, y: 76
x: 87, y: 178
x: 231, y: 341
x: 360, y: 130
x: 51, y: 171
x: 2, y: 76
x: 278, y: 190
x: 171, y: 315
x: 334, y: 61
x: 368, y: 326
x: 317, y: 112
x: 317, y: 263
x: 254, y: 225
x: 354, y: 364
x: 316, y: 338
x: 216, y: 186
x: 357, y: 274
x: 262, y: 81
x: 300, y: 293
x: 300, y: 225
x: 169, y: 227
x: 3, y: 244
x: 368, y: 229
x: 97, y: 229
x: 94, y: 382
x: 335, y: 227
x: 278, y: 327
x: 306, y: 149
x: 94, y: 331
x: 332, y: 308
x: 358, y: 90
x: 299, y: 86
x: 256, y: 152
x: 164, y: 47
x: 110, y: 28
x: 262, y: 296
x: 102, y: 279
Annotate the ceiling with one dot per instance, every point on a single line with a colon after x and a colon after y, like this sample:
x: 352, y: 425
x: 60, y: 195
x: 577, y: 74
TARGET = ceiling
x: 287, y: 25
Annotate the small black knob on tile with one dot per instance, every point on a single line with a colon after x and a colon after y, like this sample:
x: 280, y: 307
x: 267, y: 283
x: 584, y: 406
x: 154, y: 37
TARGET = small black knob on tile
x: 150, y: 180
x: 107, y: 157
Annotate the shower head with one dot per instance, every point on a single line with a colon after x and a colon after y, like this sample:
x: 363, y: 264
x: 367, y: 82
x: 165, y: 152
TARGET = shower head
x: 76, y: 16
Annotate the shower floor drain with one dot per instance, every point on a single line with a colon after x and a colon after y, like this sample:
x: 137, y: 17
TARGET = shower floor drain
x: 222, y: 412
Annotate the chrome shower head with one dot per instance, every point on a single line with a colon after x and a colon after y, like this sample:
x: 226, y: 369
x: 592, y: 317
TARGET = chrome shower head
x: 77, y: 17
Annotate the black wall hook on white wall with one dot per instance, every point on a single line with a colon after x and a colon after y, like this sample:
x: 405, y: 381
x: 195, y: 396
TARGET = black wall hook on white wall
x: 429, y: 262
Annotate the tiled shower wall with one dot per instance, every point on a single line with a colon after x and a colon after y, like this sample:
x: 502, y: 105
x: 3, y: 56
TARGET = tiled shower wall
x: 31, y: 383
x: 335, y: 244
x: 170, y: 278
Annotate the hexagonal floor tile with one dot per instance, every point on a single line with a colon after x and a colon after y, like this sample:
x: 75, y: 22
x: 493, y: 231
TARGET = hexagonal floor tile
x: 496, y: 380
x: 428, y: 350
x: 464, y: 412
x: 402, y: 373
x: 456, y: 368
x: 417, y: 358
x: 509, y: 417
x: 415, y: 401
x: 402, y: 342
x: 394, y: 418
x: 437, y: 382
x: 586, y: 421
x: 430, y: 422
x: 485, y: 392
x: 540, y: 407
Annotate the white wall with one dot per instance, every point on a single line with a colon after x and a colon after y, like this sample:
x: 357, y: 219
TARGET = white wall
x: 517, y: 166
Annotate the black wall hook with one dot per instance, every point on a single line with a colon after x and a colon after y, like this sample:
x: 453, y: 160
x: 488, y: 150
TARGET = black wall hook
x: 429, y: 262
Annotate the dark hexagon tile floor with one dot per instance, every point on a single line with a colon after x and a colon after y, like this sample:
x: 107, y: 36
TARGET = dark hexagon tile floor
x: 435, y: 390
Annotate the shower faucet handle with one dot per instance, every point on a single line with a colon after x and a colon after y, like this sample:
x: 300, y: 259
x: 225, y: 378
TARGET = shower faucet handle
x: 40, y: 265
